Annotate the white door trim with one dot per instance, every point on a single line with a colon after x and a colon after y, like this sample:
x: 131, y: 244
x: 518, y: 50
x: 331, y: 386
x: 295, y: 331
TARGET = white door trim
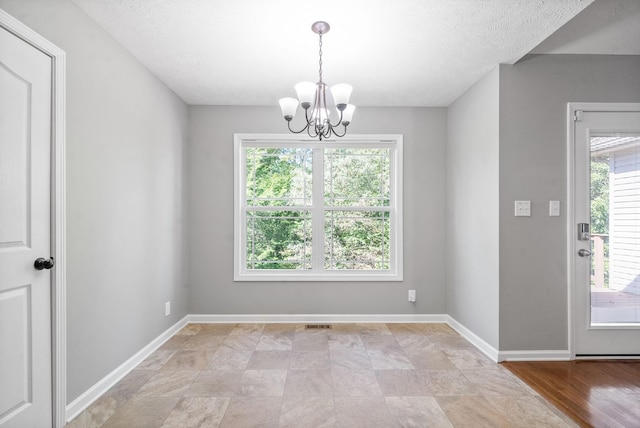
x: 572, y: 108
x: 58, y: 214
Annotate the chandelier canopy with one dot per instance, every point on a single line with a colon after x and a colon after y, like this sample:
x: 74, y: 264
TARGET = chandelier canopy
x: 313, y: 99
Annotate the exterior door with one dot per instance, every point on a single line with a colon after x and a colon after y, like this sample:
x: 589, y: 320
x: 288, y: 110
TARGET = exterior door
x: 606, y: 233
x: 25, y: 234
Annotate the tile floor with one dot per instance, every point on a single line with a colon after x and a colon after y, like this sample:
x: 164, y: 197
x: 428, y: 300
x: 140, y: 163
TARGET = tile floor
x: 353, y: 375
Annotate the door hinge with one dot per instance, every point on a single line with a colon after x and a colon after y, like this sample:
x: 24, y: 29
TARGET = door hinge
x: 577, y: 116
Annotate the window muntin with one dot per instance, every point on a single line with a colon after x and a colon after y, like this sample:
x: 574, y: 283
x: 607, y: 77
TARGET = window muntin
x: 309, y: 210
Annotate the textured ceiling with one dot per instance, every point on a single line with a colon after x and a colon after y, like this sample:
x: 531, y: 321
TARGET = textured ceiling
x: 605, y: 27
x: 394, y: 53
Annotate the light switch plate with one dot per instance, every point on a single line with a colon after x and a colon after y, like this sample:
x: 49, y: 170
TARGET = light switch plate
x: 523, y: 209
x: 554, y: 208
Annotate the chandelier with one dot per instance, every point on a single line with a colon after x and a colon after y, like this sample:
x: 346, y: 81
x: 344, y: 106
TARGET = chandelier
x: 313, y: 99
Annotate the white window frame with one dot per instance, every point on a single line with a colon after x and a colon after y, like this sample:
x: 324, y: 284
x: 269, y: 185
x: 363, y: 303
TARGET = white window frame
x: 391, y: 141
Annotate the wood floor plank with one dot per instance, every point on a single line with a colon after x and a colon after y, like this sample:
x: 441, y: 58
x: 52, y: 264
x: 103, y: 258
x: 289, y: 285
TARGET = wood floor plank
x: 592, y: 393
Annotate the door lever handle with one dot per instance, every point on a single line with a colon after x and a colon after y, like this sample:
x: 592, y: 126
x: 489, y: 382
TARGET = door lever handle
x: 584, y: 253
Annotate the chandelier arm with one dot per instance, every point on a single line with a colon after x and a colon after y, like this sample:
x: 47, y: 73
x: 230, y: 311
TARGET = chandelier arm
x: 339, y: 122
x: 296, y: 132
x: 309, y: 128
x: 340, y: 135
x: 306, y: 117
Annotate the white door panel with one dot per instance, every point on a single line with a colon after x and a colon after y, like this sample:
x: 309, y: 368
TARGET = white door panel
x: 25, y: 234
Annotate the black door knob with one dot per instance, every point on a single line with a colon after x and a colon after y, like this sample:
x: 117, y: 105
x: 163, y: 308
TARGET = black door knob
x: 41, y: 263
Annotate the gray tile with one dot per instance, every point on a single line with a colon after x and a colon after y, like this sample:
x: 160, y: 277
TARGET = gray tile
x: 252, y: 412
x: 168, y: 384
x: 197, y: 412
x: 469, y: 359
x: 156, y: 360
x: 240, y: 342
x: 202, y: 341
x: 349, y: 359
x: 530, y: 411
x: 229, y: 359
x: 96, y: 414
x: 307, y: 412
x: 247, y: 329
x: 415, y: 343
x: 389, y: 359
x: 190, y: 359
x: 310, y: 360
x: 269, y: 360
x: 372, y: 329
x: 443, y: 341
x: 279, y: 329
x: 309, y: 383
x: 190, y: 330
x: 381, y: 342
x: 496, y: 382
x: 363, y: 412
x: 472, y: 411
x: 275, y: 343
x: 345, y: 341
x: 401, y: 383
x: 314, y: 341
x: 215, y: 383
x: 129, y: 385
x: 430, y: 360
x: 216, y: 329
x: 142, y: 412
x: 417, y: 412
x: 263, y: 383
x: 355, y: 383
x: 449, y: 382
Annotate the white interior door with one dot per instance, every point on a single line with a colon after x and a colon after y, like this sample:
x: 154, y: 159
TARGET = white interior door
x: 25, y: 234
x: 606, y: 260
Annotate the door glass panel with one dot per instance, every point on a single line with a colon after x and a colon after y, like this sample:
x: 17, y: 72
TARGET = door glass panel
x: 615, y: 228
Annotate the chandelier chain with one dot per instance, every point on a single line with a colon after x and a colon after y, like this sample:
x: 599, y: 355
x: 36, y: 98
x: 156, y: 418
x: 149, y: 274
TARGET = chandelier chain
x: 320, y: 56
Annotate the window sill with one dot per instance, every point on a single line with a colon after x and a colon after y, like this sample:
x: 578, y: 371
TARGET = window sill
x: 315, y: 277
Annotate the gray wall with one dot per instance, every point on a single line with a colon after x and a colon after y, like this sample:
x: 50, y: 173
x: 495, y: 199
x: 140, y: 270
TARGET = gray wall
x: 212, y: 290
x: 126, y: 200
x: 472, y: 208
x: 533, y: 117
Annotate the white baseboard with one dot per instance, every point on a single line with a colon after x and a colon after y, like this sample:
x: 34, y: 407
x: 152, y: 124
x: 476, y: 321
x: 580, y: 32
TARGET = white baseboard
x: 74, y: 408
x: 319, y: 318
x: 559, y: 355
x: 475, y: 340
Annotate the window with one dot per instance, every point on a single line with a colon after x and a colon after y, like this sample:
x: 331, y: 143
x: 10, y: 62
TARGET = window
x: 318, y: 210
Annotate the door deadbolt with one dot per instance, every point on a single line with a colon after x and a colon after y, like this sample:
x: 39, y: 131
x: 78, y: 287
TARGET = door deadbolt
x: 583, y: 232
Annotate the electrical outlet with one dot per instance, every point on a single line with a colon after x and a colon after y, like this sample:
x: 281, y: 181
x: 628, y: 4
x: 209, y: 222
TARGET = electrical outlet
x: 412, y: 295
x: 554, y: 208
x: 167, y: 309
